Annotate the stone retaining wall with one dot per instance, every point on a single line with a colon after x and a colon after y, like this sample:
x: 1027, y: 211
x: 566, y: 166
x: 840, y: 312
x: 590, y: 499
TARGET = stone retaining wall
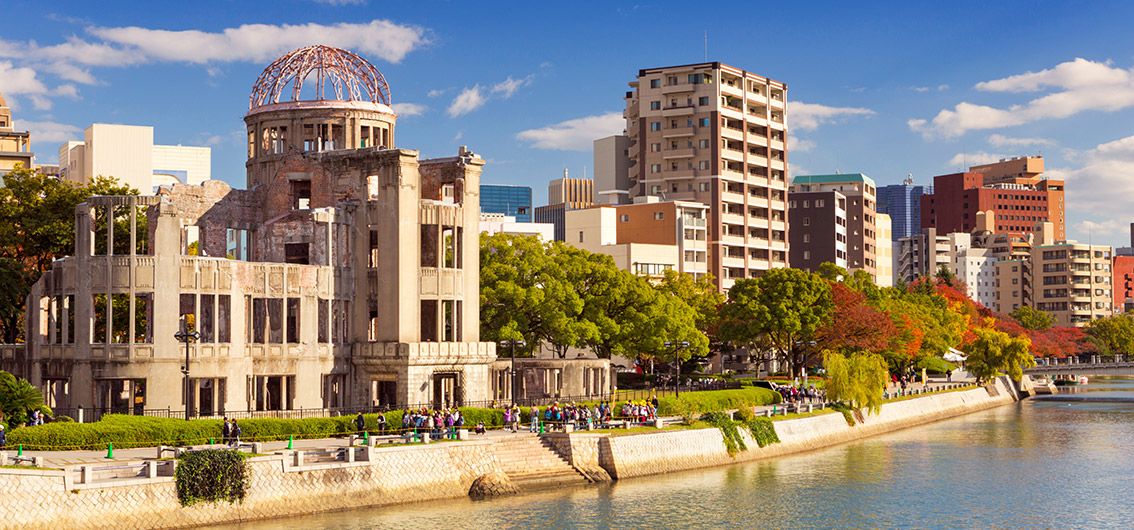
x: 40, y: 499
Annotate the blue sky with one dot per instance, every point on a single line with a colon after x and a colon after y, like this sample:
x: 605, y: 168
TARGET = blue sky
x: 885, y: 88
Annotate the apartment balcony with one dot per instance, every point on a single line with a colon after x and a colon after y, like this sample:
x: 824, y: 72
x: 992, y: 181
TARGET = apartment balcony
x: 733, y: 154
x: 759, y: 202
x: 732, y: 240
x: 756, y: 119
x: 732, y: 218
x: 757, y: 160
x: 679, y: 132
x: 732, y: 90
x: 679, y: 110
x: 756, y: 139
x: 732, y: 262
x: 778, y: 165
x: 732, y: 133
x: 777, y: 144
x: 680, y: 153
x: 734, y: 113
x: 732, y: 197
x: 678, y: 88
x: 756, y: 98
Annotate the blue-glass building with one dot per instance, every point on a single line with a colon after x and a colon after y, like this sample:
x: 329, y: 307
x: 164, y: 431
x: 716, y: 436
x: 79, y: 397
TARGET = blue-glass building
x: 514, y: 201
x: 902, y: 202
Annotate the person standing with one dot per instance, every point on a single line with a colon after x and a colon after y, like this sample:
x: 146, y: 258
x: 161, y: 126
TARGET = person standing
x: 3, y: 436
x: 226, y: 432
x: 359, y: 423
x: 234, y: 434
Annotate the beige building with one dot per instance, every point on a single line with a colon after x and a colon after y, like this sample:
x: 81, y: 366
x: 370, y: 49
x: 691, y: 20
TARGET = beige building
x: 1072, y: 281
x: 563, y: 195
x: 715, y: 134
x: 826, y: 210
x: 128, y: 153
x: 884, y: 256
x: 921, y: 255
x: 345, y: 277
x: 15, y: 146
x: 612, y: 169
x: 646, y: 238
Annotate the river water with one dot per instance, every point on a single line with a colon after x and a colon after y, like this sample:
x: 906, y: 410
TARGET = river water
x: 1037, y: 464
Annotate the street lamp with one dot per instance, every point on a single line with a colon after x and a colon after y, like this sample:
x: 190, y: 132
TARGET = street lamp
x: 187, y: 337
x: 677, y: 347
x: 512, y: 343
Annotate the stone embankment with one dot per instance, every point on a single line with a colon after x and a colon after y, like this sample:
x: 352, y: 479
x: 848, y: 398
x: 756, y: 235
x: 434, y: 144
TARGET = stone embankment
x: 142, y: 494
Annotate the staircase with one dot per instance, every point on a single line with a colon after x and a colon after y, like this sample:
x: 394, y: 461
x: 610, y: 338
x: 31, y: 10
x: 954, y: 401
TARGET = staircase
x: 532, y: 463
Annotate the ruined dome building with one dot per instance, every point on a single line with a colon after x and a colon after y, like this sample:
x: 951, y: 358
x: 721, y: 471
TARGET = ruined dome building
x: 346, y: 275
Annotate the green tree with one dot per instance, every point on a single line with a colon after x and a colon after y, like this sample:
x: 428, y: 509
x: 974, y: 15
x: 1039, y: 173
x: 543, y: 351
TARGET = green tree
x: 37, y: 226
x: 703, y: 298
x: 1113, y: 334
x: 519, y: 290
x: 779, y: 312
x: 671, y: 319
x: 993, y: 352
x: 17, y: 398
x: 858, y: 380
x: 617, y: 303
x: 1032, y: 318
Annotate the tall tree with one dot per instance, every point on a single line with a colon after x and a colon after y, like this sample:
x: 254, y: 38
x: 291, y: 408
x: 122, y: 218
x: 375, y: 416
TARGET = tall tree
x: 994, y: 352
x: 1032, y: 318
x: 1113, y: 334
x: 780, y: 311
x: 703, y: 298
x: 858, y: 380
x: 855, y: 325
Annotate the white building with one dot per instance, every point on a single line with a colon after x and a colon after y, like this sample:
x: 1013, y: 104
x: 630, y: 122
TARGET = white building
x: 494, y: 223
x: 128, y: 153
x: 974, y: 266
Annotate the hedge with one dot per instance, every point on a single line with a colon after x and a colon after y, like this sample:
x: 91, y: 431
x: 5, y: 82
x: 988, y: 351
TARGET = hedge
x: 212, y: 476
x: 126, y: 431
x: 716, y: 400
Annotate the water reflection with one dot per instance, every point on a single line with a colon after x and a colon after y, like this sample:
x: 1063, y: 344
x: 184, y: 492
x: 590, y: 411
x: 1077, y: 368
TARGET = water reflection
x: 1036, y: 464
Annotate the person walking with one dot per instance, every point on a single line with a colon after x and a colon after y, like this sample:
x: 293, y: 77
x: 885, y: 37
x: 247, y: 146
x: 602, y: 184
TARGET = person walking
x: 359, y: 423
x: 534, y: 416
x: 381, y: 423
x: 234, y: 435
x: 515, y: 418
x: 226, y: 431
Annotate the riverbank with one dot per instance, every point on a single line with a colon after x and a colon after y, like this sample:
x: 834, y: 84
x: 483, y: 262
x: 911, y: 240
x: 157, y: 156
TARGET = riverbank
x: 286, y: 484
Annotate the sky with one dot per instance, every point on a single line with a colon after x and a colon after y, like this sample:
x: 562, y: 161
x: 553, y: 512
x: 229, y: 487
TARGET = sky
x: 888, y: 89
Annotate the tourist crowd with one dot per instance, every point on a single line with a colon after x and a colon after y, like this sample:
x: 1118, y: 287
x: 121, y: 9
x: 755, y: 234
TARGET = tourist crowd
x: 802, y: 394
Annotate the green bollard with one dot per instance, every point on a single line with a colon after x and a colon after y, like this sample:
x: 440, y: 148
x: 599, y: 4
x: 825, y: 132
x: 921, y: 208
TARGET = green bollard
x: 20, y: 450
x: 212, y: 441
x: 290, y: 441
x: 110, y: 450
x: 366, y: 438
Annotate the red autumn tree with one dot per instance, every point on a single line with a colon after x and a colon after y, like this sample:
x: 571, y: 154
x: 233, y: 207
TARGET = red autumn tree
x: 855, y: 325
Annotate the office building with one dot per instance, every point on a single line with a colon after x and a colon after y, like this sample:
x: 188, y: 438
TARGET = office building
x: 15, y: 146
x: 1072, y: 281
x: 1013, y: 189
x: 715, y: 134
x: 902, y: 202
x: 128, y: 153
x: 815, y: 205
x: 565, y: 194
x: 645, y: 238
x: 612, y: 169
x: 512, y: 201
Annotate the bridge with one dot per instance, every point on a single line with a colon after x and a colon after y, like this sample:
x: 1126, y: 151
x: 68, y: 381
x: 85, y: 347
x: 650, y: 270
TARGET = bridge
x: 1069, y: 366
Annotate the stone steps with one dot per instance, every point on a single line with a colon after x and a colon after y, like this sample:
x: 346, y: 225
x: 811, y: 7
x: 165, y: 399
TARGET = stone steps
x: 532, y: 462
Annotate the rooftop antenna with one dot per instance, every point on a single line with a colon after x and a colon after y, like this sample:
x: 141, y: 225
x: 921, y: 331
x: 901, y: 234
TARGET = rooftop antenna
x: 909, y: 179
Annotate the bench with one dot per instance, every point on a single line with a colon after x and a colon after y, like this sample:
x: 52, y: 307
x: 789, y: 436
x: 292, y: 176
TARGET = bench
x: 5, y: 460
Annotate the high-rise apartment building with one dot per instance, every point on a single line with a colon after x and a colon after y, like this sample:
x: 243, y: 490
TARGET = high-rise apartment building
x: 885, y: 251
x: 715, y: 134
x: 854, y: 193
x: 1013, y: 189
x: 512, y: 201
x: 902, y: 202
x: 15, y: 146
x: 565, y: 194
x: 128, y: 153
x: 1072, y: 281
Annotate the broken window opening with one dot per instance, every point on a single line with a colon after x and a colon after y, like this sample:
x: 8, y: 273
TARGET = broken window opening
x: 296, y: 253
x: 236, y: 244
x: 188, y: 312
x: 275, y: 320
x: 293, y: 320
x: 429, y: 321
x: 208, y: 318
x: 224, y: 318
x: 373, y: 261
x: 429, y: 235
x: 301, y: 194
x: 143, y: 316
x: 190, y: 241
x: 324, y: 320
x: 99, y: 319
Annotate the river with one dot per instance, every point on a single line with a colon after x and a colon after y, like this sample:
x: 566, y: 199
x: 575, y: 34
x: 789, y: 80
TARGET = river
x: 1034, y: 464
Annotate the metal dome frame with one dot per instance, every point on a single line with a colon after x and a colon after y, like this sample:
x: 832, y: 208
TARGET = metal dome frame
x: 351, y: 77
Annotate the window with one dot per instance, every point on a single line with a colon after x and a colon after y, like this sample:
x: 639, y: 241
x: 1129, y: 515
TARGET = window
x: 704, y: 164
x: 656, y: 147
x: 659, y: 216
x: 655, y: 126
x: 806, y: 254
x: 655, y: 83
x: 806, y: 221
x: 655, y: 168
x: 703, y: 122
x: 625, y: 218
x: 655, y: 105
x: 296, y: 253
x: 703, y: 144
x: 806, y: 238
x: 695, y: 79
x: 818, y: 203
x: 704, y: 186
x: 703, y: 100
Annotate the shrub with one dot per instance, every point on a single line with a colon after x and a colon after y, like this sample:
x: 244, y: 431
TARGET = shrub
x: 763, y: 431
x: 936, y: 365
x: 734, y: 443
x: 715, y: 400
x: 744, y: 414
x: 212, y: 476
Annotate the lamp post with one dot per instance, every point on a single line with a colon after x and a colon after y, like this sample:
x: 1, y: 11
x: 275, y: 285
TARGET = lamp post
x: 187, y: 337
x: 512, y: 343
x: 677, y: 347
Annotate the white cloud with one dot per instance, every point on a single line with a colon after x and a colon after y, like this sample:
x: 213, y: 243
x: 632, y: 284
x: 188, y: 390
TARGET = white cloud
x: 436, y: 93
x: 1078, y: 86
x: 1096, y: 188
x: 800, y: 145
x: 966, y: 160
x: 578, y: 134
x: 509, y: 86
x: 467, y: 101
x: 999, y: 140
x: 19, y: 80
x: 263, y: 42
x: 48, y: 131
x: 1108, y: 227
x: 405, y: 110
x: 808, y: 116
x: 942, y: 88
x: 920, y: 89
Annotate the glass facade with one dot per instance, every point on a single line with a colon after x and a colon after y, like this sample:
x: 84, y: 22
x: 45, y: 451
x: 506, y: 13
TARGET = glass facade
x: 515, y: 201
x: 902, y: 202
